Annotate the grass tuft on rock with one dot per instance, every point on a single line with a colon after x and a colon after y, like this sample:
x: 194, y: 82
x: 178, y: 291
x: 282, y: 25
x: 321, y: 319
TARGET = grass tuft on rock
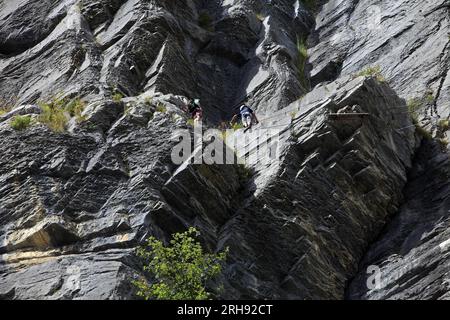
x: 4, y: 110
x: 117, y: 97
x: 161, y: 107
x: 57, y: 112
x: 374, y: 72
x: 20, y: 123
x: 75, y: 109
x: 444, y: 125
x: 302, y: 58
x: 424, y: 132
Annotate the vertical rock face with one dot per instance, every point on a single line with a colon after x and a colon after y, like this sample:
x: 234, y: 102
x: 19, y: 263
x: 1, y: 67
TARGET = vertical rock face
x: 75, y: 205
x: 332, y: 191
x: 411, y: 257
x: 408, y: 40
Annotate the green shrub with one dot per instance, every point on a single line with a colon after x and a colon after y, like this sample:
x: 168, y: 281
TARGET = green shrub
x: 413, y: 106
x: 237, y: 126
x: 161, y: 107
x: 260, y: 16
x: 205, y: 21
x: 302, y: 58
x: 57, y: 112
x: 444, y: 142
x: 424, y: 132
x: 117, y: 97
x: 429, y: 97
x: 148, y: 101
x: 20, y: 122
x: 293, y: 114
x: 4, y: 109
x: 374, y: 72
x: 53, y: 114
x: 75, y: 108
x: 180, y: 269
x: 53, y: 117
x: 444, y: 125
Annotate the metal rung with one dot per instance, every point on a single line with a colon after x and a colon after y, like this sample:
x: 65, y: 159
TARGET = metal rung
x: 348, y: 115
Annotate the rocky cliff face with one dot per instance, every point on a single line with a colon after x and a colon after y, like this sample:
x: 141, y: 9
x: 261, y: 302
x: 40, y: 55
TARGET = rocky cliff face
x: 339, y: 197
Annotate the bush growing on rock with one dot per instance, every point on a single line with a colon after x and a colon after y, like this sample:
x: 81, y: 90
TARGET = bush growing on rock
x: 53, y: 114
x: 444, y: 142
x: 4, y: 109
x: 117, y: 97
x: 374, y: 72
x: 413, y: 106
x: 57, y: 112
x: 190, y: 122
x: 302, y: 58
x: 260, y: 16
x: 7, y: 105
x: 20, y: 122
x: 181, y: 269
x: 75, y: 109
x: 444, y: 125
x: 418, y: 103
x: 237, y: 126
x: 424, y: 132
x: 161, y: 107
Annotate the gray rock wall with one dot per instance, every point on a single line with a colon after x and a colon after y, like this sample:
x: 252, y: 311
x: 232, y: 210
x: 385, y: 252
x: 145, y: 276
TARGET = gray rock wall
x: 341, y: 196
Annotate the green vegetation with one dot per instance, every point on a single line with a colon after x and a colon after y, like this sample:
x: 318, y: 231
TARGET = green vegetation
x: 148, y: 101
x: 429, y: 97
x: 57, y: 112
x: 302, y: 58
x: 4, y: 109
x: 161, y: 107
x: 190, y: 122
x: 424, y: 132
x: 444, y: 142
x: 117, y: 97
x: 293, y: 114
x: 205, y: 21
x: 415, y: 104
x: 181, y: 269
x: 374, y: 72
x: 7, y: 105
x: 53, y: 117
x: 75, y: 108
x: 260, y: 16
x: 237, y: 126
x: 20, y: 122
x: 444, y: 125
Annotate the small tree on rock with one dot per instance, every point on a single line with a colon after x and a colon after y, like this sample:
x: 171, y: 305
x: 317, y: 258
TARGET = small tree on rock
x: 180, y: 269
